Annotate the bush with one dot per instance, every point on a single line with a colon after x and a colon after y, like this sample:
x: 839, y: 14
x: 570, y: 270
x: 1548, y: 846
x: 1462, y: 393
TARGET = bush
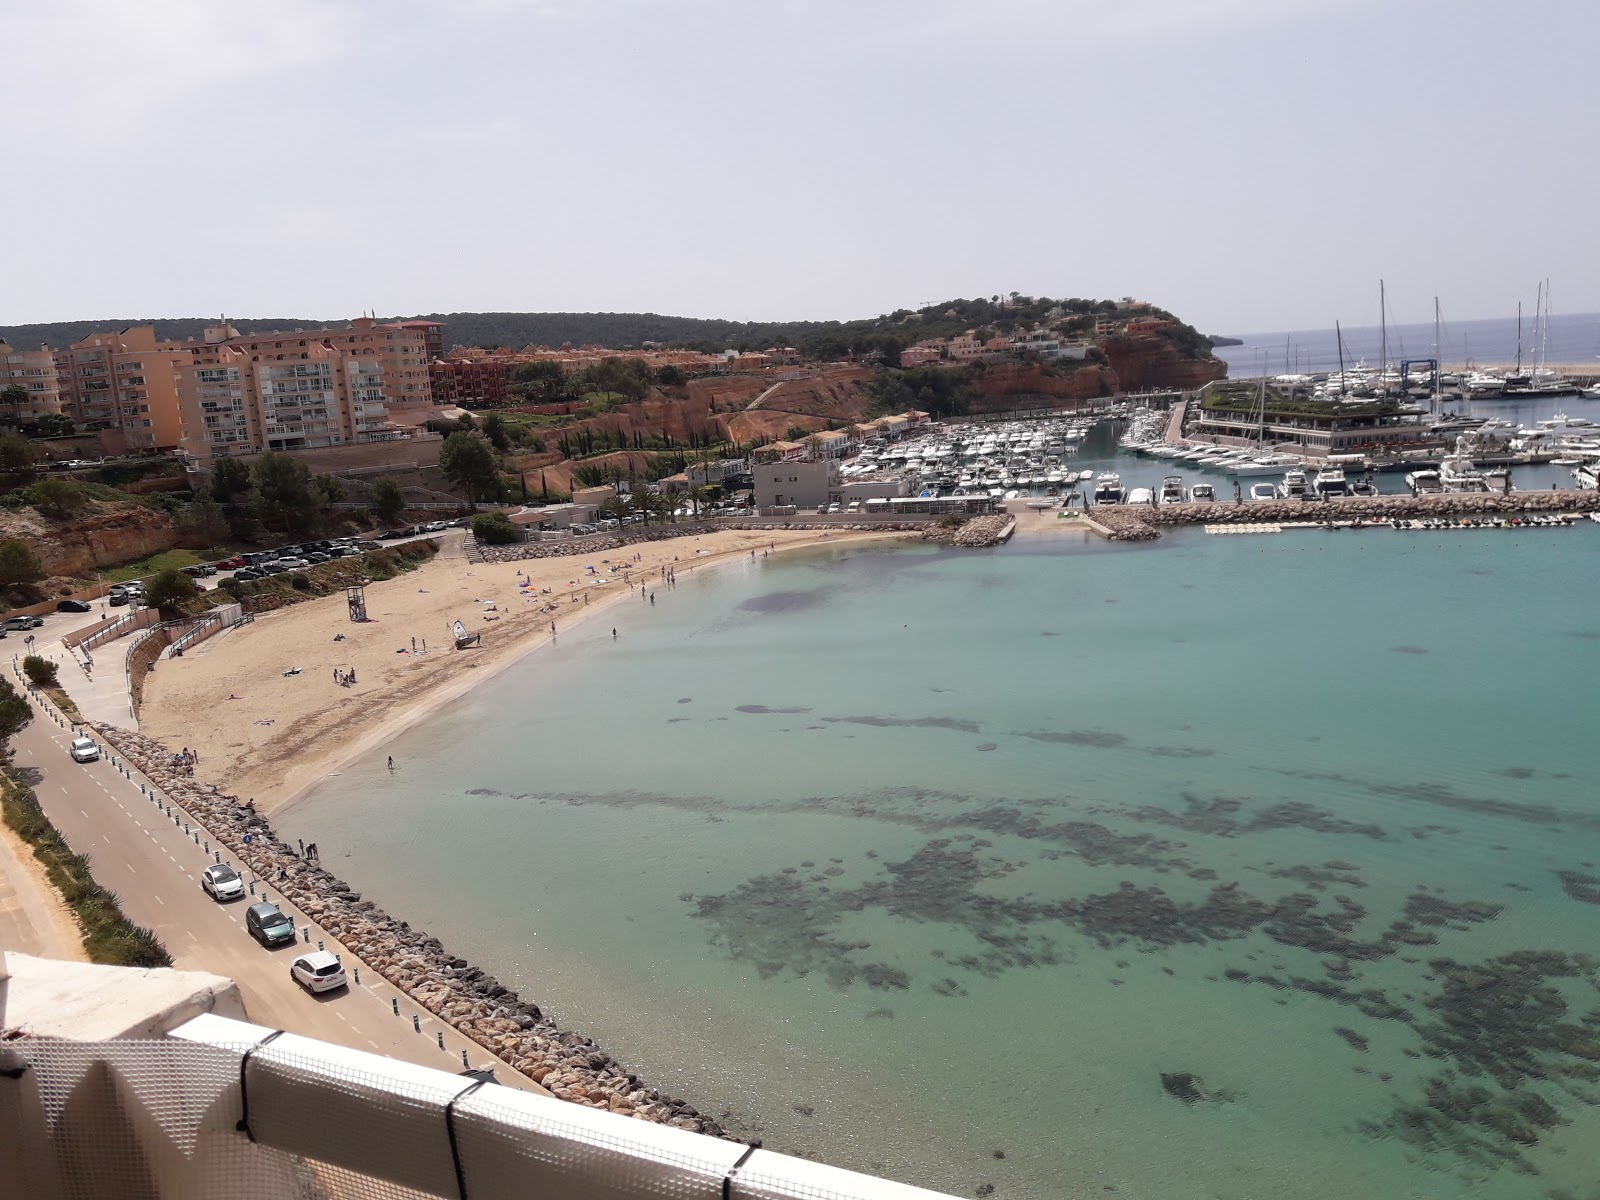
x: 59, y: 497
x: 41, y: 672
x: 19, y: 563
x: 300, y: 583
x: 495, y: 529
x: 169, y: 589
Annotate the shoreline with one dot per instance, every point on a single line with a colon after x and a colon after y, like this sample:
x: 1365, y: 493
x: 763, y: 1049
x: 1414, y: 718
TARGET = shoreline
x: 187, y: 703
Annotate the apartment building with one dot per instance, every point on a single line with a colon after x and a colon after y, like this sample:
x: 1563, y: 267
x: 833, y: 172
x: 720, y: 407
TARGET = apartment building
x: 125, y: 381
x: 35, y: 372
x: 471, y: 384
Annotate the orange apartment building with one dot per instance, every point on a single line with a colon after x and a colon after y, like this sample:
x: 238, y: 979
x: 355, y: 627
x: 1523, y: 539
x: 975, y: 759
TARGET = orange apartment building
x: 233, y: 393
x: 35, y: 372
x: 477, y: 383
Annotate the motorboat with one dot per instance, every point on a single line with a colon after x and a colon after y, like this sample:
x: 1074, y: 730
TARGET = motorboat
x: 1202, y: 493
x: 1330, y: 481
x: 1295, y: 486
x: 1263, y: 491
x: 1108, y: 489
x: 1271, y: 464
x: 1141, y: 496
x: 1171, y: 490
x: 1587, y: 475
x: 1458, y: 473
x: 1424, y: 482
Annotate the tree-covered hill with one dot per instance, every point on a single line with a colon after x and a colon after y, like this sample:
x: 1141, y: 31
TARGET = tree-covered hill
x: 824, y: 339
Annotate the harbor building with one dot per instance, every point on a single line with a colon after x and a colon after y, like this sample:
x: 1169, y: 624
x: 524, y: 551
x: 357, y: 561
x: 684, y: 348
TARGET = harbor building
x: 1314, y: 428
x: 800, y: 484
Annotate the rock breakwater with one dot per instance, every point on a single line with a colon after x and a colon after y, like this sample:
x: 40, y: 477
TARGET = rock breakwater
x: 567, y: 1064
x: 1141, y: 523
x: 974, y: 533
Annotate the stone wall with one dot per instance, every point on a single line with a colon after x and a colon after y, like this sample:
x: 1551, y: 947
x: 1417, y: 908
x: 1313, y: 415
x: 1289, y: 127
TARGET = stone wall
x: 568, y: 1064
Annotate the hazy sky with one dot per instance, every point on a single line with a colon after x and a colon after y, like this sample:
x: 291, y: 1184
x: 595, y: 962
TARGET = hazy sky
x: 1249, y: 164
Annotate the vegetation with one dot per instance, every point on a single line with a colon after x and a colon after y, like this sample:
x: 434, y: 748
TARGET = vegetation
x: 168, y: 591
x: 17, y: 453
x: 322, y: 580
x: 495, y: 529
x: 1241, y: 398
x: 153, y: 564
x: 941, y: 391
x: 15, y: 712
x: 59, y: 498
x: 387, y: 500
x: 468, y: 461
x: 19, y: 564
x: 41, y: 672
x: 108, y: 936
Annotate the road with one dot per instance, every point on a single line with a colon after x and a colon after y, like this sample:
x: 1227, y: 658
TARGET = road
x: 153, y: 866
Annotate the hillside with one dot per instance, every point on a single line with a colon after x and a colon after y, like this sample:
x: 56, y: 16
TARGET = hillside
x: 819, y: 339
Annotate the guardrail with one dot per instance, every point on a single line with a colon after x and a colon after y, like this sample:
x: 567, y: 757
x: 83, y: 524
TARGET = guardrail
x: 111, y: 629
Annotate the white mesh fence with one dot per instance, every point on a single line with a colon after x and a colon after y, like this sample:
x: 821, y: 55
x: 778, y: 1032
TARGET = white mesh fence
x: 294, y: 1119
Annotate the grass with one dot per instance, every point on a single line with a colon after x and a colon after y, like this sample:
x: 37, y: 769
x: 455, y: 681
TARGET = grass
x: 108, y: 936
x: 58, y: 697
x: 152, y: 565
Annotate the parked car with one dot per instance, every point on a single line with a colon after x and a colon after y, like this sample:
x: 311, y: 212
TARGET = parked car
x: 435, y: 526
x: 290, y: 564
x: 221, y: 882
x: 199, y: 570
x: 389, y: 535
x: 229, y: 564
x: 249, y: 573
x: 84, y: 750
x: 267, y: 924
x: 316, y: 558
x: 119, y: 599
x: 318, y: 971
x: 77, y: 606
x: 24, y: 622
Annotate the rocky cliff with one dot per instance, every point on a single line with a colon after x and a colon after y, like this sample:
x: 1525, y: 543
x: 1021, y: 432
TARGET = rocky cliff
x: 1005, y: 383
x: 103, y: 536
x: 1151, y: 361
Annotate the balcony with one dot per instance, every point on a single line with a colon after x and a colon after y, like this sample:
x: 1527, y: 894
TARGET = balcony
x: 154, y: 1101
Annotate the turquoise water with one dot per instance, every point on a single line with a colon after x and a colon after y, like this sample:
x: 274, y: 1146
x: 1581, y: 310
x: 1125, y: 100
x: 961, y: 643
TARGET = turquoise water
x: 905, y: 857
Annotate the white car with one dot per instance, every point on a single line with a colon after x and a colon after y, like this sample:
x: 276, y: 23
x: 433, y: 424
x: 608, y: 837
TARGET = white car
x: 221, y: 882
x: 292, y: 564
x: 84, y: 750
x: 318, y: 971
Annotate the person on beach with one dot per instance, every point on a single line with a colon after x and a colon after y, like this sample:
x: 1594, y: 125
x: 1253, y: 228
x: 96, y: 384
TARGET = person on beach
x: 302, y: 842
x: 391, y: 762
x: 613, y: 634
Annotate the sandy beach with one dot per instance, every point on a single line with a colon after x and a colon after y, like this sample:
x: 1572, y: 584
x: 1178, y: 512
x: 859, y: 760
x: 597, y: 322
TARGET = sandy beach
x: 269, y: 735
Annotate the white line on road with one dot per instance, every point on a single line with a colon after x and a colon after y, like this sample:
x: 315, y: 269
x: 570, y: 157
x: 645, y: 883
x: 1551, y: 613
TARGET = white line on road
x: 159, y: 900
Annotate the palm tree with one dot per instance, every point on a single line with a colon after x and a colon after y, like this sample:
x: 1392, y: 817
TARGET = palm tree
x: 698, y: 495
x: 616, y: 508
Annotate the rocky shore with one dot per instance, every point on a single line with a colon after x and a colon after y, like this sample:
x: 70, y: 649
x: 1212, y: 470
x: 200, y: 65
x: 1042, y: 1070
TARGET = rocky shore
x: 1141, y: 523
x: 588, y: 544
x: 567, y: 1064
x: 973, y: 533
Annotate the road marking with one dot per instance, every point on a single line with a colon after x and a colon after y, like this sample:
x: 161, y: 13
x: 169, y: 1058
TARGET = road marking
x: 159, y: 900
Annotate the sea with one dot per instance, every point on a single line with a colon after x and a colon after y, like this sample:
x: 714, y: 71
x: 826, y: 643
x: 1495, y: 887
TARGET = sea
x: 1572, y: 338
x: 1260, y: 867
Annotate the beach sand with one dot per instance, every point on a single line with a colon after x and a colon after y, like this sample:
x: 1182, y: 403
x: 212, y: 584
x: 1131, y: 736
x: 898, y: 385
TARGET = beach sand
x: 270, y: 736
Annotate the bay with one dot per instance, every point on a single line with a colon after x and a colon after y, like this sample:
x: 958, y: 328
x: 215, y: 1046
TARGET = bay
x: 901, y: 857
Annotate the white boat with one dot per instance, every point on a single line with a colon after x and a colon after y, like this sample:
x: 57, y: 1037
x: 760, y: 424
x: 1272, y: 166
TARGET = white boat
x: 1108, y: 489
x: 1202, y: 493
x: 1263, y: 491
x: 1272, y: 464
x: 1458, y: 473
x: 1424, y: 482
x: 1330, y: 481
x: 1141, y: 496
x: 1587, y: 476
x: 1171, y: 490
x: 1294, y: 485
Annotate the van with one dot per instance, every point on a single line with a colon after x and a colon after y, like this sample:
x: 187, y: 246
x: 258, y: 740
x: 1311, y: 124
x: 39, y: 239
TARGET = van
x: 268, y: 924
x: 853, y: 507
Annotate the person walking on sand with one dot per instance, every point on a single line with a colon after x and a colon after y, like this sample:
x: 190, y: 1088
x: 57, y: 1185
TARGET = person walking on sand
x: 391, y: 762
x: 302, y: 842
x: 613, y: 634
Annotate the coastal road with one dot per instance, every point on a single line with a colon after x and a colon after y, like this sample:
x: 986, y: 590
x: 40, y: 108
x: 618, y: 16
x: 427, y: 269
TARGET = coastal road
x: 154, y: 867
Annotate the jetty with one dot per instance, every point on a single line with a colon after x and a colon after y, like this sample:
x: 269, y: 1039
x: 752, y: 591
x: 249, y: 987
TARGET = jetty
x: 1131, y: 523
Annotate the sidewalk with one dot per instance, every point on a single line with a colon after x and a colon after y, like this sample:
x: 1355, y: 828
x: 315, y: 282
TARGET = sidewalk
x: 101, y: 694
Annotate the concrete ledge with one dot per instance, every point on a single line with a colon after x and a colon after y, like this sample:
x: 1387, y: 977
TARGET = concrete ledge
x: 85, y: 1002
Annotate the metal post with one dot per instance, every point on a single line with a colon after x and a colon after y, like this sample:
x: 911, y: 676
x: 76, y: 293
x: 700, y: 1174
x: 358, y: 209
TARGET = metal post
x: 320, y: 946
x: 394, y: 1003
x: 306, y: 930
x: 416, y: 1023
x: 465, y: 1065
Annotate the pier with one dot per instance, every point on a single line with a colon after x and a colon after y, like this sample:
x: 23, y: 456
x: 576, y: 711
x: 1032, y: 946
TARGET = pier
x: 1123, y: 522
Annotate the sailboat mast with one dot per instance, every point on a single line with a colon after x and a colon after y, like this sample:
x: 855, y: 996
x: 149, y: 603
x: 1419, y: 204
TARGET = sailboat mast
x: 1383, y: 352
x: 1339, y: 334
x: 1438, y: 355
x: 1519, y: 337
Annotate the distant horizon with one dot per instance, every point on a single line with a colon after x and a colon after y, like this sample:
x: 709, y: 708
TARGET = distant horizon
x: 113, y: 323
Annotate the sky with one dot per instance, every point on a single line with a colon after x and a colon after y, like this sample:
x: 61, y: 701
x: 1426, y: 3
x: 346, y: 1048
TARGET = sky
x: 1248, y: 164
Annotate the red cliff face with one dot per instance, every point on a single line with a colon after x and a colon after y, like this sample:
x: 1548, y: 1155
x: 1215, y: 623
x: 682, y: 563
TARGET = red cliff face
x: 1150, y: 361
x: 999, y: 384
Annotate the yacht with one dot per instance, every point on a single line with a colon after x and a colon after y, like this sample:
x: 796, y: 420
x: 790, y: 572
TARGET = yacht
x: 1108, y: 489
x: 1271, y: 464
x: 1587, y: 476
x: 1172, y: 490
x: 1295, y: 486
x: 1141, y: 496
x: 1425, y: 482
x: 1458, y: 473
x: 1330, y: 481
x: 1202, y: 493
x: 1263, y: 491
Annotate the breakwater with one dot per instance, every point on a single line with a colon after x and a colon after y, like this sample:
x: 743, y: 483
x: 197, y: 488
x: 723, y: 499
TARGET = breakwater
x: 1122, y: 522
x: 567, y: 1064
